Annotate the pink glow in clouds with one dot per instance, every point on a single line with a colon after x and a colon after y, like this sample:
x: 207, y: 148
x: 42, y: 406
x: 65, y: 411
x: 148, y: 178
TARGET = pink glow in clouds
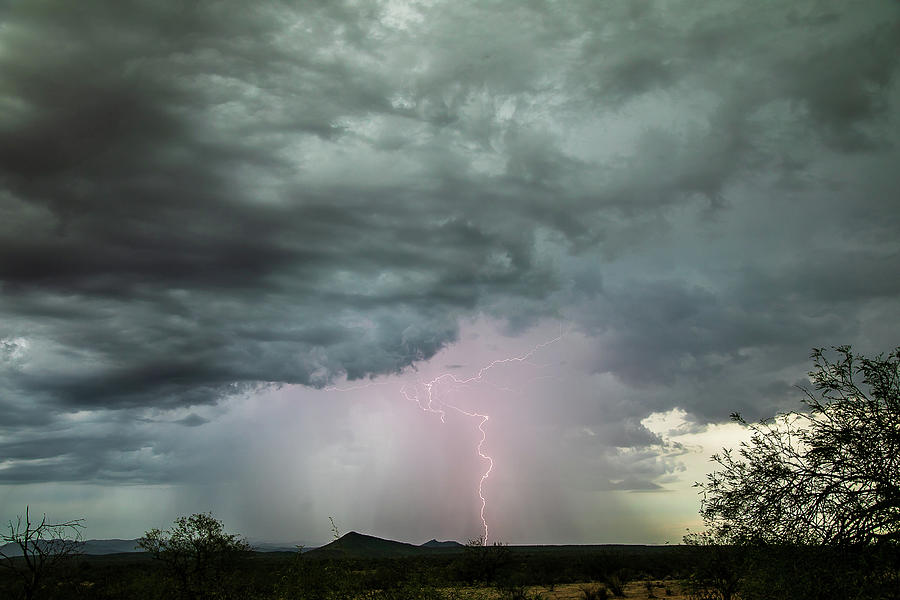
x: 443, y: 385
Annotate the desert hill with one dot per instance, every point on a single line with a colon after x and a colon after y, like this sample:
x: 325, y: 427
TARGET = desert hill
x: 359, y: 545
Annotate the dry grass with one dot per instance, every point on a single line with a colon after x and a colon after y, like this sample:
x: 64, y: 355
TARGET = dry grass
x: 635, y: 590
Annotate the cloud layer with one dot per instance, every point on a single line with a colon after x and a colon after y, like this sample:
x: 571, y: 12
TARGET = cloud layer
x: 199, y: 202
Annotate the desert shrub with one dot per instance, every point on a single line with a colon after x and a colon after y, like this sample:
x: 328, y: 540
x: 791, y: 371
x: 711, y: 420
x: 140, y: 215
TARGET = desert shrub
x: 512, y: 591
x: 617, y: 582
x: 594, y: 592
x: 483, y: 562
x: 719, y: 566
x: 819, y: 572
x: 323, y: 579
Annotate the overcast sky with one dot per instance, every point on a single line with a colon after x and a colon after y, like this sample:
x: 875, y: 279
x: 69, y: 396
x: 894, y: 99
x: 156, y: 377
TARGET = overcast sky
x: 240, y: 244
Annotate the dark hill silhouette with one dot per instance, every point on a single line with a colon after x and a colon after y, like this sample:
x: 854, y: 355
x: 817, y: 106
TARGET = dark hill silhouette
x: 359, y: 545
x: 436, y: 544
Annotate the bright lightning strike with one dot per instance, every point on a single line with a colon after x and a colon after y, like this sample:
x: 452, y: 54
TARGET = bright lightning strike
x: 434, y: 402
x: 453, y: 380
x: 429, y: 407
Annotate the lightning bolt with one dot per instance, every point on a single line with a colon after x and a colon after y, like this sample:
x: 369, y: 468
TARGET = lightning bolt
x: 442, y: 405
x: 429, y: 407
x: 433, y: 402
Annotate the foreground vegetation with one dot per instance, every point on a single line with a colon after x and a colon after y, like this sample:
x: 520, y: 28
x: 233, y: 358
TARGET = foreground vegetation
x: 497, y: 572
x: 473, y: 572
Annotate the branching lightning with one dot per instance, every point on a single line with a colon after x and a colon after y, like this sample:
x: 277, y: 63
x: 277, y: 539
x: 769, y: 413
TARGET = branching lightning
x: 429, y: 407
x: 453, y: 380
x: 434, y: 402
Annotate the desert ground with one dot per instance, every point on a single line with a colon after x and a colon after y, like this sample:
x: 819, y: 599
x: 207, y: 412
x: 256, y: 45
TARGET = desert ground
x: 634, y: 590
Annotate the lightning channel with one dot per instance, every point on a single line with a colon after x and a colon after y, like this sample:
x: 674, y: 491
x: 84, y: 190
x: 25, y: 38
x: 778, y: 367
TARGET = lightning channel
x: 434, y: 401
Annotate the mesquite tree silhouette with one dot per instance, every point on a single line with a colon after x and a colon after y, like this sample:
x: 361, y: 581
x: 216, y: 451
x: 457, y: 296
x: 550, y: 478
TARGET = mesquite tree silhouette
x: 829, y: 474
x: 197, y: 552
x: 813, y: 499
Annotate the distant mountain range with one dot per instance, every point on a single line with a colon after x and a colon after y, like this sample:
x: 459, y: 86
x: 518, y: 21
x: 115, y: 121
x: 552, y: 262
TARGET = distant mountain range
x: 101, y: 547
x: 87, y: 547
x: 350, y: 545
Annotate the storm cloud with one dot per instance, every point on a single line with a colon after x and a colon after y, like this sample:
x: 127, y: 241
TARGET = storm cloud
x: 208, y: 201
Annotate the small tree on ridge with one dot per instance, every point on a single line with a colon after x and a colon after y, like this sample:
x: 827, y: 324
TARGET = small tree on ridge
x: 197, y: 552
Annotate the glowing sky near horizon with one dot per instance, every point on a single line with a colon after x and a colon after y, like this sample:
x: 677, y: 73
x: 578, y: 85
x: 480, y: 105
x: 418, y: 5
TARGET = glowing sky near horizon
x: 214, y: 218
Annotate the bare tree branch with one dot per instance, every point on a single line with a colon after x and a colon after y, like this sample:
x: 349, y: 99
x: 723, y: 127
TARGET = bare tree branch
x: 41, y: 547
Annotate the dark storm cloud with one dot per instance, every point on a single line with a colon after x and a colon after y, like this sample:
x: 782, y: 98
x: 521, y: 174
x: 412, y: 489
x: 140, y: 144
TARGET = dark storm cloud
x: 92, y: 451
x: 163, y: 267
x: 197, y: 201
